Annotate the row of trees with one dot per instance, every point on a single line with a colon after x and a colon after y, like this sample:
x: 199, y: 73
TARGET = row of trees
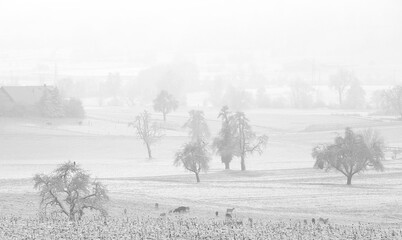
x: 235, y: 138
x: 301, y: 94
x: 71, y: 191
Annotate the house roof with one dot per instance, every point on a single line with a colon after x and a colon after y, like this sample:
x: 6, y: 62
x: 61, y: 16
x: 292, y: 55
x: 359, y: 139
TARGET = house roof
x: 25, y: 95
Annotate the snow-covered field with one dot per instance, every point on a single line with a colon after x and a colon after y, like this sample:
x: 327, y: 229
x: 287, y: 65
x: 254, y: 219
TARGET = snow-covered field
x: 279, y: 184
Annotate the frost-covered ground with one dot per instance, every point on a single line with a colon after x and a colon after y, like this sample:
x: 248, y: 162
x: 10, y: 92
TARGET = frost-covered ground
x: 278, y: 184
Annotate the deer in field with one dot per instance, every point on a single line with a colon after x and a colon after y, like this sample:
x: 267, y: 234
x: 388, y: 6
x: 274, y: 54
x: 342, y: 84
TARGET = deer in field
x: 181, y: 210
x: 323, y: 220
x: 229, y: 211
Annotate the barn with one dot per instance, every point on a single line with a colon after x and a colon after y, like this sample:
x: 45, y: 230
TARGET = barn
x: 26, y: 97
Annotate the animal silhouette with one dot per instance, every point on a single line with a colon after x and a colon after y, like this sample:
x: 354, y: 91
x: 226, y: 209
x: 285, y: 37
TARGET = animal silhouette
x: 250, y: 221
x: 181, y: 210
x: 323, y: 220
x: 230, y: 210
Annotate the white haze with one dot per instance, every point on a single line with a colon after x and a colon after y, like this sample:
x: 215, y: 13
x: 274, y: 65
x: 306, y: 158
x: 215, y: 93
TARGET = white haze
x: 339, y: 32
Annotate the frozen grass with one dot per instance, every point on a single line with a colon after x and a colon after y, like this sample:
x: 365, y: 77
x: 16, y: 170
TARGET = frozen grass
x: 180, y: 227
x: 276, y: 194
x: 105, y: 146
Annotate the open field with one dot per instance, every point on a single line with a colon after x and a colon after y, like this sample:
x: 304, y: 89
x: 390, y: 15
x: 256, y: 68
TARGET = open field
x: 279, y: 184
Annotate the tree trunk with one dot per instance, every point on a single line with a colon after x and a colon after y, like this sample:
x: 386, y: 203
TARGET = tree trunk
x: 197, y: 177
x: 226, y: 160
x: 164, y: 117
x: 349, y: 180
x: 243, y: 163
x: 227, y: 165
x: 149, y: 151
x: 71, y: 216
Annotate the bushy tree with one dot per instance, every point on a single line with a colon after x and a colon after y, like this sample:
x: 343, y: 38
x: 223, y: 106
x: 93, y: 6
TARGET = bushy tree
x: 355, y: 96
x: 71, y: 191
x: 165, y: 103
x: 247, y: 140
x: 198, y: 127
x: 225, y: 143
x: 352, y: 153
x: 147, y: 130
x: 51, y: 104
x: 73, y: 108
x: 393, y: 99
x: 194, y: 157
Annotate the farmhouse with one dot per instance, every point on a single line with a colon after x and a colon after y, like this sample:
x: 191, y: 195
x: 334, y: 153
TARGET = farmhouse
x: 21, y: 96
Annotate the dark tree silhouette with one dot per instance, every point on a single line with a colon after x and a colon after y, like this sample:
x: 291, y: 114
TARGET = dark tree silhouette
x: 351, y: 154
x: 247, y: 140
x: 194, y: 157
x: 165, y: 103
x: 147, y: 130
x: 71, y: 190
x: 225, y: 143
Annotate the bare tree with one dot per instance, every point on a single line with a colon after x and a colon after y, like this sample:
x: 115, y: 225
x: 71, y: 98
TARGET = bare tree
x: 71, y: 190
x: 165, y: 103
x: 340, y: 82
x: 194, y: 157
x: 247, y: 140
x: 147, y: 130
x: 351, y: 154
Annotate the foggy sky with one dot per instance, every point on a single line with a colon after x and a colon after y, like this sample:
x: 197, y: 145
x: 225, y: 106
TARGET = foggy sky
x: 361, y: 30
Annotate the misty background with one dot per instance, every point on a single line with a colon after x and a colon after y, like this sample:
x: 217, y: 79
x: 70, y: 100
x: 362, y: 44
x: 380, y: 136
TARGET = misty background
x: 130, y: 50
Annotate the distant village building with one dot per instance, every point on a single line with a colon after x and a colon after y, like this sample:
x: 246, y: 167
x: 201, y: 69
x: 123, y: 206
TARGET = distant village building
x: 21, y: 96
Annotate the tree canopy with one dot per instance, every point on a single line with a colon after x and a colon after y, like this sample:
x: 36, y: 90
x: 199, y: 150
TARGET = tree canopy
x: 351, y: 153
x: 225, y: 143
x: 198, y: 127
x: 51, y: 104
x: 194, y: 157
x: 71, y: 191
x: 393, y: 99
x: 165, y: 103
